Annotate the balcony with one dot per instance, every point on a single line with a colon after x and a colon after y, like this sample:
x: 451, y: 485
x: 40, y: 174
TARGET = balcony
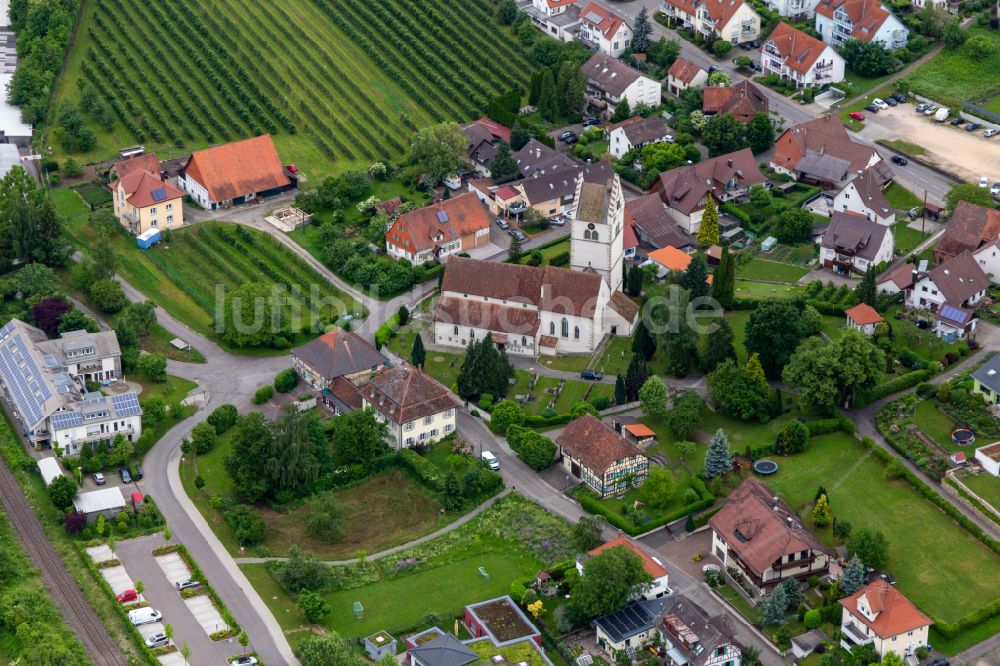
x: 90, y: 438
x: 517, y: 208
x: 854, y: 635
x: 132, y: 221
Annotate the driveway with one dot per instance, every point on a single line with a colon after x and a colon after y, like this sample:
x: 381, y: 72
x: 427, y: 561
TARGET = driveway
x: 137, y: 557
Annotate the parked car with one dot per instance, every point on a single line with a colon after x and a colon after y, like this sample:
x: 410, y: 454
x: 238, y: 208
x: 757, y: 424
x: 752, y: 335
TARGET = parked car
x: 99, y: 478
x: 292, y: 168
x: 899, y: 159
x: 126, y: 477
x: 991, y: 132
x: 516, y: 233
x: 856, y: 115
x: 146, y: 615
x: 879, y: 103
x: 755, y: 66
x: 899, y: 97
x: 930, y: 110
x: 972, y: 127
x: 995, y: 190
x: 871, y: 108
x: 922, y: 107
x: 125, y: 596
x: 187, y: 584
x: 955, y: 122
x: 565, y: 135
x: 157, y: 640
x: 491, y: 460
x: 592, y: 376
x: 570, y: 140
x: 891, y: 101
x: 502, y: 224
x: 246, y: 660
x: 984, y: 182
x: 558, y: 221
x: 940, y: 661
x: 137, y: 473
x: 588, y: 122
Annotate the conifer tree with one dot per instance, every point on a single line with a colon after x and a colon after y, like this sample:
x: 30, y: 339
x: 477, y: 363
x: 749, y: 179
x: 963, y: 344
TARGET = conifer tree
x: 641, y: 31
x: 755, y: 372
x: 708, y: 233
x: 622, y: 112
x: 417, y: 354
x: 821, y: 512
x: 696, y: 276
x: 548, y: 101
x: 635, y: 377
x: 866, y: 289
x: 514, y: 251
x: 621, y: 395
x: 772, y: 611
x: 724, y: 281
x: 504, y: 166
x: 633, y: 282
x: 853, y: 578
x: 643, y: 342
x: 718, y: 460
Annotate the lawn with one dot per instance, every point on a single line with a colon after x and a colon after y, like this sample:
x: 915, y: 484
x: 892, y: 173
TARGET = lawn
x: 955, y: 76
x: 933, y: 422
x: 938, y: 565
x: 900, y: 197
x: 187, y: 274
x: 549, y: 253
x: 760, y: 290
x: 371, y: 511
x: 774, y: 271
x: 907, y: 238
x: 338, y: 84
x: 984, y: 485
x: 834, y: 327
x: 907, y: 147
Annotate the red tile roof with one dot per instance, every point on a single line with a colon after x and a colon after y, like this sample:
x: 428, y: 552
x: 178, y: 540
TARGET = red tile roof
x: 684, y: 70
x: 337, y: 353
x: 721, y: 11
x: 495, y: 128
x: 601, y: 19
x: 404, y: 393
x: 863, y: 314
x: 744, y: 100
x: 630, y: 239
x: 685, y: 188
x: 595, y: 444
x: 894, y: 613
x: 147, y: 162
x: 347, y: 393
x: 969, y: 227
x: 434, y: 225
x: 901, y: 276
x: 866, y: 15
x: 464, y: 312
x: 652, y: 567
x: 671, y: 258
x: 143, y: 188
x: 799, y: 50
x: 825, y: 135
x: 237, y: 169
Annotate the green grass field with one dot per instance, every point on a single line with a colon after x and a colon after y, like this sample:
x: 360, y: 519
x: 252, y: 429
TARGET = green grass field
x: 907, y: 239
x: 338, y: 83
x: 984, y: 485
x: 953, y: 77
x: 774, y: 271
x: 750, y: 289
x: 907, y: 147
x: 938, y: 565
x: 900, y: 197
x: 186, y: 275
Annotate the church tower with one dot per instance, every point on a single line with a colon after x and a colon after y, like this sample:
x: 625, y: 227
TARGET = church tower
x: 597, y: 243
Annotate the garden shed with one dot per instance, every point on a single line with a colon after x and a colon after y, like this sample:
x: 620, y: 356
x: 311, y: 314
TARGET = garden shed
x: 107, y: 502
x: 50, y: 470
x: 379, y: 645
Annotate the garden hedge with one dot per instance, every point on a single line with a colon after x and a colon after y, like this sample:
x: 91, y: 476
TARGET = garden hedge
x: 731, y: 209
x: 862, y: 398
x: 386, y: 331
x: 827, y: 308
x: 426, y: 471
x: 593, y: 505
x: 826, y: 426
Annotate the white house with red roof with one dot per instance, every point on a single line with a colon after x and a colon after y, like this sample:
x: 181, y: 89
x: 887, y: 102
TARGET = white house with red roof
x: 235, y: 173
x: 864, y: 318
x: 879, y: 614
x: 732, y: 20
x: 142, y: 199
x: 607, y: 31
x: 557, y: 18
x: 435, y: 232
x: 800, y: 58
x: 658, y: 588
x: 865, y: 20
x: 684, y: 74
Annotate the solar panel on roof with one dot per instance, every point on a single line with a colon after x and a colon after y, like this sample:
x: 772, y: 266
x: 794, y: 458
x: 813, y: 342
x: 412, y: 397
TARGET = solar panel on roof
x: 22, y: 376
x: 126, y: 404
x: 159, y: 194
x: 442, y: 216
x: 63, y: 420
x: 954, y: 314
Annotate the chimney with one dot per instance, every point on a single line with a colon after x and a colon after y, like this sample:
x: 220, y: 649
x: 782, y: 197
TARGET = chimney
x: 729, y: 162
x: 774, y: 501
x: 538, y: 153
x: 789, y: 519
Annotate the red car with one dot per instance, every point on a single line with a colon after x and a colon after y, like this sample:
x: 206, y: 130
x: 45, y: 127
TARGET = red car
x: 292, y: 168
x: 855, y: 115
x: 127, y: 596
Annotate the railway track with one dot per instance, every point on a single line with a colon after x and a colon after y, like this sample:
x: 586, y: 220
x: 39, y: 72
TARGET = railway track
x: 100, y: 647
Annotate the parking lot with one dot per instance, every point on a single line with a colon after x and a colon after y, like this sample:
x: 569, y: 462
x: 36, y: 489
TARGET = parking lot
x: 192, y: 619
x: 968, y: 155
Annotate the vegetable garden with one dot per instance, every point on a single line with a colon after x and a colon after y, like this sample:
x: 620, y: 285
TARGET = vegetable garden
x: 337, y: 83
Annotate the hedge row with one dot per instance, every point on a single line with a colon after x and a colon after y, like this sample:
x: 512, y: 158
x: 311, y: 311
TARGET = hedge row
x: 973, y: 501
x: 826, y: 426
x: 593, y: 505
x: 827, y: 308
x: 731, y: 209
x: 910, y: 379
x: 535, y: 421
x: 426, y: 471
x: 386, y: 331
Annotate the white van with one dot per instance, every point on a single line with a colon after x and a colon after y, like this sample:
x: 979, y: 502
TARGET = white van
x: 144, y: 616
x: 491, y: 460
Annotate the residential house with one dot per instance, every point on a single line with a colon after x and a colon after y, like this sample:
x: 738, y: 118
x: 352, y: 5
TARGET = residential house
x: 660, y: 585
x: 142, y: 199
x: 951, y: 291
x: 553, y: 192
x: 864, y: 318
x: 600, y: 457
x: 50, y: 402
x: 610, y: 81
x: 685, y: 190
x: 879, y: 614
x: 337, y: 353
x: 557, y: 18
x: 107, y: 502
x: 986, y: 380
x: 442, y: 649
x: 743, y: 101
x: 415, y: 408
x: 852, y: 243
x: 484, y: 136
x: 434, y: 232
x: 630, y: 629
x: 820, y: 151
x: 654, y: 225
x: 535, y: 159
x: 970, y: 228
x: 865, y: 20
x: 628, y: 136
x: 988, y: 458
x: 864, y: 195
x: 235, y: 173
x: 800, y: 58
x: 501, y: 621
x: 684, y: 74
x: 897, y: 280
x: 528, y: 310
x: 598, y: 229
x: 763, y: 539
x: 732, y: 20
x: 693, y: 638
x: 796, y: 10
x: 671, y: 260
x: 92, y: 357
x: 607, y: 32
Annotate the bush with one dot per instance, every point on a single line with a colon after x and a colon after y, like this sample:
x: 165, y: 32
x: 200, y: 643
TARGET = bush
x: 248, y: 527
x: 812, y: 619
x: 223, y: 418
x: 826, y: 426
x: 902, y: 383
x: 286, y: 380
x: 721, y: 47
x: 263, y: 394
x: 108, y: 295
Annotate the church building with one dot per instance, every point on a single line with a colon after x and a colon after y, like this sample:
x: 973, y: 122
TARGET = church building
x: 597, y: 243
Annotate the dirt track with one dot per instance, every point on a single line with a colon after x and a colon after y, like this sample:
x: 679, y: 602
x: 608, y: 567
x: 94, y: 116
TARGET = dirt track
x: 968, y: 155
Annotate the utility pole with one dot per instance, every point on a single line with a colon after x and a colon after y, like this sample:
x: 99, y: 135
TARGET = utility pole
x: 923, y: 213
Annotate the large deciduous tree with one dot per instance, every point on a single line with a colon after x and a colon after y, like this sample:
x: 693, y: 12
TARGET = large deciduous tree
x: 717, y: 346
x: 969, y: 192
x: 437, y: 151
x: 737, y: 394
x: 871, y: 546
x: 326, y: 650
x: 653, y: 397
x: 723, y: 134
x: 773, y: 332
x: 685, y: 416
x: 358, y: 437
x: 760, y: 133
x: 793, y: 225
x: 609, y: 580
x: 827, y: 375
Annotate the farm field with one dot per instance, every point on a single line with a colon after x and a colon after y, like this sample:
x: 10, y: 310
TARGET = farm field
x: 338, y: 83
x: 919, y: 536
x: 183, y: 274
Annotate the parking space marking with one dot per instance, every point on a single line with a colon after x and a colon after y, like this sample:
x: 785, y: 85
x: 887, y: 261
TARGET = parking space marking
x: 173, y: 568
x: 147, y: 630
x: 172, y: 659
x: 100, y: 553
x: 206, y: 614
x: 118, y: 579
